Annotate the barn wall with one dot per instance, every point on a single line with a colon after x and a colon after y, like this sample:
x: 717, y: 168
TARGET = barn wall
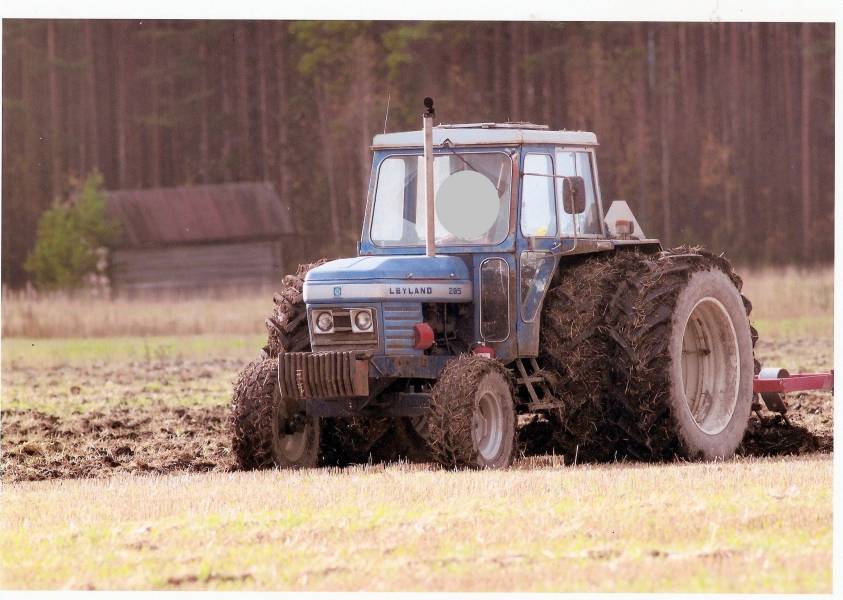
x: 197, y: 267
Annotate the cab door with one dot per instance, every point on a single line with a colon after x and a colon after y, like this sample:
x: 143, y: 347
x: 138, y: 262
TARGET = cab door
x: 538, y: 240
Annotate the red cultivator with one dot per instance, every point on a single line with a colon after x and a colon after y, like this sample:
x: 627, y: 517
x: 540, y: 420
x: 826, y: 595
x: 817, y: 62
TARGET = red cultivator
x: 772, y: 383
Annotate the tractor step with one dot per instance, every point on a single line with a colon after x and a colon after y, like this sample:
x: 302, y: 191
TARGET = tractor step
x: 535, y: 384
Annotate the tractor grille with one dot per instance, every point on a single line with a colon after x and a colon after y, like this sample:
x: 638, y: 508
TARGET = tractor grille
x: 304, y: 375
x: 398, y: 321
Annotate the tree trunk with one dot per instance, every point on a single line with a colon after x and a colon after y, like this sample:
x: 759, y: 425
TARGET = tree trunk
x: 528, y: 83
x: 283, y: 109
x: 121, y: 118
x: 56, y: 176
x: 323, y: 117
x: 244, y: 154
x: 548, y: 52
x: 642, y: 144
x: 514, y: 73
x: 805, y: 128
x: 205, y: 109
x: 226, y: 117
x: 666, y: 128
x: 263, y: 99
x: 93, y: 116
x: 498, y: 83
x: 155, y: 129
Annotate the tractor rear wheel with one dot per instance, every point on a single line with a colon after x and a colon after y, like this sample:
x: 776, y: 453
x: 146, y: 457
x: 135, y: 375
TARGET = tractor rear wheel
x: 472, y: 419
x: 651, y: 356
x: 576, y: 353
x: 686, y: 357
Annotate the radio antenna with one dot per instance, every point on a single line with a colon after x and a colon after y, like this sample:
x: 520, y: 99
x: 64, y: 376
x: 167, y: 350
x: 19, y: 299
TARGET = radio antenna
x: 386, y: 116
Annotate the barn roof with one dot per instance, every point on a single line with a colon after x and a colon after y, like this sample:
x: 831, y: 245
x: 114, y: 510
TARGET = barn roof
x: 200, y: 213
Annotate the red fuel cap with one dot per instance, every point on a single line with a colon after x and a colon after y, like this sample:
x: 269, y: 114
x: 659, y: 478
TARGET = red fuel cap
x: 422, y: 336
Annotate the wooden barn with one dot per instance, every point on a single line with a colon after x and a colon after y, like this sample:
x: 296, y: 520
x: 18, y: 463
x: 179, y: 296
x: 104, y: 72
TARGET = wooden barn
x: 201, y: 237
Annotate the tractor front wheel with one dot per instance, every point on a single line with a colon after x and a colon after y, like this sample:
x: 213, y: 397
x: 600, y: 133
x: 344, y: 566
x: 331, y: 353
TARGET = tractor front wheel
x: 472, y: 415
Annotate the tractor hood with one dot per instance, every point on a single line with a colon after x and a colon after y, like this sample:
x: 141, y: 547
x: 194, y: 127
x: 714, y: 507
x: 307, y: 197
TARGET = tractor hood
x: 411, y: 278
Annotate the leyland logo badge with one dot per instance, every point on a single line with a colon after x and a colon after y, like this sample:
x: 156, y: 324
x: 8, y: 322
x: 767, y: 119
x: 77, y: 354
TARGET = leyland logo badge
x: 337, y: 291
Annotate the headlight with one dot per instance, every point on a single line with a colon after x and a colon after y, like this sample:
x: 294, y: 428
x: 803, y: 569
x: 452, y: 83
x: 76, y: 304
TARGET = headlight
x: 324, y: 322
x: 363, y: 320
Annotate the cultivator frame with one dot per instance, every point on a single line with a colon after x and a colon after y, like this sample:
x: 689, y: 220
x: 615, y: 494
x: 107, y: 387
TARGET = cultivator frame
x: 772, y: 383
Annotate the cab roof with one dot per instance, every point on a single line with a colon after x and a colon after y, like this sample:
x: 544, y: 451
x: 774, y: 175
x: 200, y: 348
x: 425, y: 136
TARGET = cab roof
x: 490, y: 134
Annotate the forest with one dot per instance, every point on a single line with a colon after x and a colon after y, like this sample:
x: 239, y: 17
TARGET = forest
x: 719, y: 134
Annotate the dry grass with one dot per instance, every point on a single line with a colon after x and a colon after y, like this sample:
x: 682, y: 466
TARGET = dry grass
x: 748, y: 525
x: 783, y: 298
x: 789, y: 292
x: 61, y: 315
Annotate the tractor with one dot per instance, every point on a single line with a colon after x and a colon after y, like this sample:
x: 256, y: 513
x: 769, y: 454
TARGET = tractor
x: 496, y: 305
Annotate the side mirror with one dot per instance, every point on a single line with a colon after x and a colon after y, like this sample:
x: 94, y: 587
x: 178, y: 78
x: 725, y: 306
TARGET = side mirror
x: 573, y: 195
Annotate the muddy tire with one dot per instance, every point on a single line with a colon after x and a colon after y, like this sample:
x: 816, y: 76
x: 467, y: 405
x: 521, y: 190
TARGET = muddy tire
x: 250, y: 415
x: 287, y: 325
x: 472, y: 415
x: 328, y: 441
x: 576, y: 353
x: 288, y: 332
x: 685, y: 357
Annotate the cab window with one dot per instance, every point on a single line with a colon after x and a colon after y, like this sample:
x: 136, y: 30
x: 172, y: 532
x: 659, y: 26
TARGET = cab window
x: 538, y: 204
x: 570, y: 163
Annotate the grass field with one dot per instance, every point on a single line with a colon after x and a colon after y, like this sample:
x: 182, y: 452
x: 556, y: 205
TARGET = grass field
x: 144, y: 414
x: 750, y: 526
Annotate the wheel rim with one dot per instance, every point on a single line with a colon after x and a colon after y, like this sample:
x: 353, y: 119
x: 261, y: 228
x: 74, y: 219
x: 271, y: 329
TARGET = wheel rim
x: 487, y: 425
x: 711, y: 367
x: 291, y: 446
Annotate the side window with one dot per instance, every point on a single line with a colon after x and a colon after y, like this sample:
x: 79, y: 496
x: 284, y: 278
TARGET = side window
x: 570, y: 163
x: 589, y: 221
x: 538, y: 205
x: 565, y: 165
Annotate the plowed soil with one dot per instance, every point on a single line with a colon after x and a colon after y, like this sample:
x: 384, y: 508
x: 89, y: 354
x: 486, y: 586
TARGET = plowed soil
x: 79, y: 422
x: 152, y: 439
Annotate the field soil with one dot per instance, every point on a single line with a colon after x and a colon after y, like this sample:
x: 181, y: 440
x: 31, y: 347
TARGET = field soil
x: 168, y: 415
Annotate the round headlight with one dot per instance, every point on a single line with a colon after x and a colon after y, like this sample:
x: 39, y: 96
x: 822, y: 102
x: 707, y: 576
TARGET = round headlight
x: 325, y: 321
x: 363, y: 320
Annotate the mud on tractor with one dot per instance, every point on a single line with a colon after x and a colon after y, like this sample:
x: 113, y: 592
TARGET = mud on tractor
x: 496, y: 308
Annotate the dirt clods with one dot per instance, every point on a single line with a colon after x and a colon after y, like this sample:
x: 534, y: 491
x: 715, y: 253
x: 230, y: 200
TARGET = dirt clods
x: 148, y: 439
x: 809, y: 427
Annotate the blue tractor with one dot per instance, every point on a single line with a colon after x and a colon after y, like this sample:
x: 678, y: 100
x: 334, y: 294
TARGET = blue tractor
x: 495, y: 308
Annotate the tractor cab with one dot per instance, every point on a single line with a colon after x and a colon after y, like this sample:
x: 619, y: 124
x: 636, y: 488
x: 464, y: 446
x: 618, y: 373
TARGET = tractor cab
x: 510, y: 200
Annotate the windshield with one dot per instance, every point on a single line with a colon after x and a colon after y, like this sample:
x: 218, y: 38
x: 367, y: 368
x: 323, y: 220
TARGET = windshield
x: 398, y: 217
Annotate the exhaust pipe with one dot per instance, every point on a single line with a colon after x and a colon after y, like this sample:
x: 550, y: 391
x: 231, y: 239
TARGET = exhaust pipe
x: 427, y: 120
